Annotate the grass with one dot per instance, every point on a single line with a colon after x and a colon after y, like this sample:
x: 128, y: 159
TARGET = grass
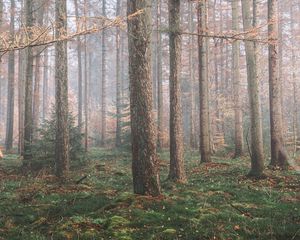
x: 218, y: 202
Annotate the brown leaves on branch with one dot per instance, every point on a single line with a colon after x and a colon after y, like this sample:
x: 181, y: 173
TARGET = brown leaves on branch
x: 45, y: 35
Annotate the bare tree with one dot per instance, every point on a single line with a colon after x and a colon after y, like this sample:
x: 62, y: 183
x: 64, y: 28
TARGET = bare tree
x: 144, y: 158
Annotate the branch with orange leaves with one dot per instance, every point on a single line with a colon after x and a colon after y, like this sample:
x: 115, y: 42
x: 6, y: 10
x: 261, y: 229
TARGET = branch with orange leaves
x: 45, y: 35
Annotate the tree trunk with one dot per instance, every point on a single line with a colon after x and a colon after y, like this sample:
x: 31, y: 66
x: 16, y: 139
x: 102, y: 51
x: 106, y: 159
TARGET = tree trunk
x: 193, y: 141
x: 203, y: 84
x: 295, y: 85
x: 145, y: 163
x: 45, y: 84
x: 177, y: 172
x: 278, y: 152
x: 118, y: 81
x: 257, y: 155
x: 11, y: 85
x: 37, y: 82
x: 61, y: 92
x: 160, y: 97
x: 79, y: 64
x: 238, y: 113
x: 103, y: 100
x: 28, y: 119
x: 86, y: 86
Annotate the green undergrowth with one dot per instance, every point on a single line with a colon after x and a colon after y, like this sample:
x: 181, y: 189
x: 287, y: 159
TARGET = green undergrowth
x: 218, y: 202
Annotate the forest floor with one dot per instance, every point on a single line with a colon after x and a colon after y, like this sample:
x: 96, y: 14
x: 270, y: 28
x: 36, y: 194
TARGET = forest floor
x: 218, y: 202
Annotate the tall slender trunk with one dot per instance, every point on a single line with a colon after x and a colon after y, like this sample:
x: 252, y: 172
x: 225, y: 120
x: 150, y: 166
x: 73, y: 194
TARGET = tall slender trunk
x: 21, y: 89
x: 145, y: 164
x: 205, y: 150
x: 118, y: 81
x: 257, y: 155
x: 86, y: 85
x: 38, y: 73
x: 192, y: 130
x: 160, y: 97
x: 278, y: 152
x: 177, y: 172
x: 28, y: 119
x: 79, y: 64
x: 11, y: 85
x: 103, y: 109
x: 1, y: 22
x: 295, y: 85
x: 45, y: 84
x: 61, y: 92
x: 238, y: 113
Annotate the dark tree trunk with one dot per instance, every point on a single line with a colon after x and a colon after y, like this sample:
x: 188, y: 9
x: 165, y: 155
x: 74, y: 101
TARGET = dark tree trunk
x: 61, y: 92
x: 145, y: 163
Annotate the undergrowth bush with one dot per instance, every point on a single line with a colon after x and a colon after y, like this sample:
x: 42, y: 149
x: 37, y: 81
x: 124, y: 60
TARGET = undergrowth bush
x: 43, y: 149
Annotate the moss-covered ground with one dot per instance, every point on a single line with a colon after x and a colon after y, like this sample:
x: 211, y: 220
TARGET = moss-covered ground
x: 218, y: 202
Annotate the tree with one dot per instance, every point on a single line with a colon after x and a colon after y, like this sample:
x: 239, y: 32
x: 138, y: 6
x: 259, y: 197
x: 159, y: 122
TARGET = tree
x: 28, y: 120
x: 257, y: 156
x: 278, y: 152
x: 79, y: 63
x: 238, y: 114
x: 11, y: 85
x: 177, y: 172
x: 103, y: 95
x: 38, y: 72
x: 61, y: 91
x: 203, y: 83
x: 145, y: 162
x: 118, y: 80
x: 160, y: 97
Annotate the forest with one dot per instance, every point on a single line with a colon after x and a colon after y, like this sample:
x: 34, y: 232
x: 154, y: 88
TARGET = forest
x: 142, y: 119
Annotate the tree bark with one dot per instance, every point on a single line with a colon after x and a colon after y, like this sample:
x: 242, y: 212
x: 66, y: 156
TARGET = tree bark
x: 38, y: 73
x: 10, y: 85
x: 118, y: 81
x: 61, y: 92
x: 79, y: 64
x: 193, y: 140
x: 145, y: 163
x: 160, y: 97
x: 103, y: 97
x: 28, y: 119
x: 205, y: 150
x: 257, y: 155
x: 238, y: 113
x: 177, y: 172
x: 278, y: 152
